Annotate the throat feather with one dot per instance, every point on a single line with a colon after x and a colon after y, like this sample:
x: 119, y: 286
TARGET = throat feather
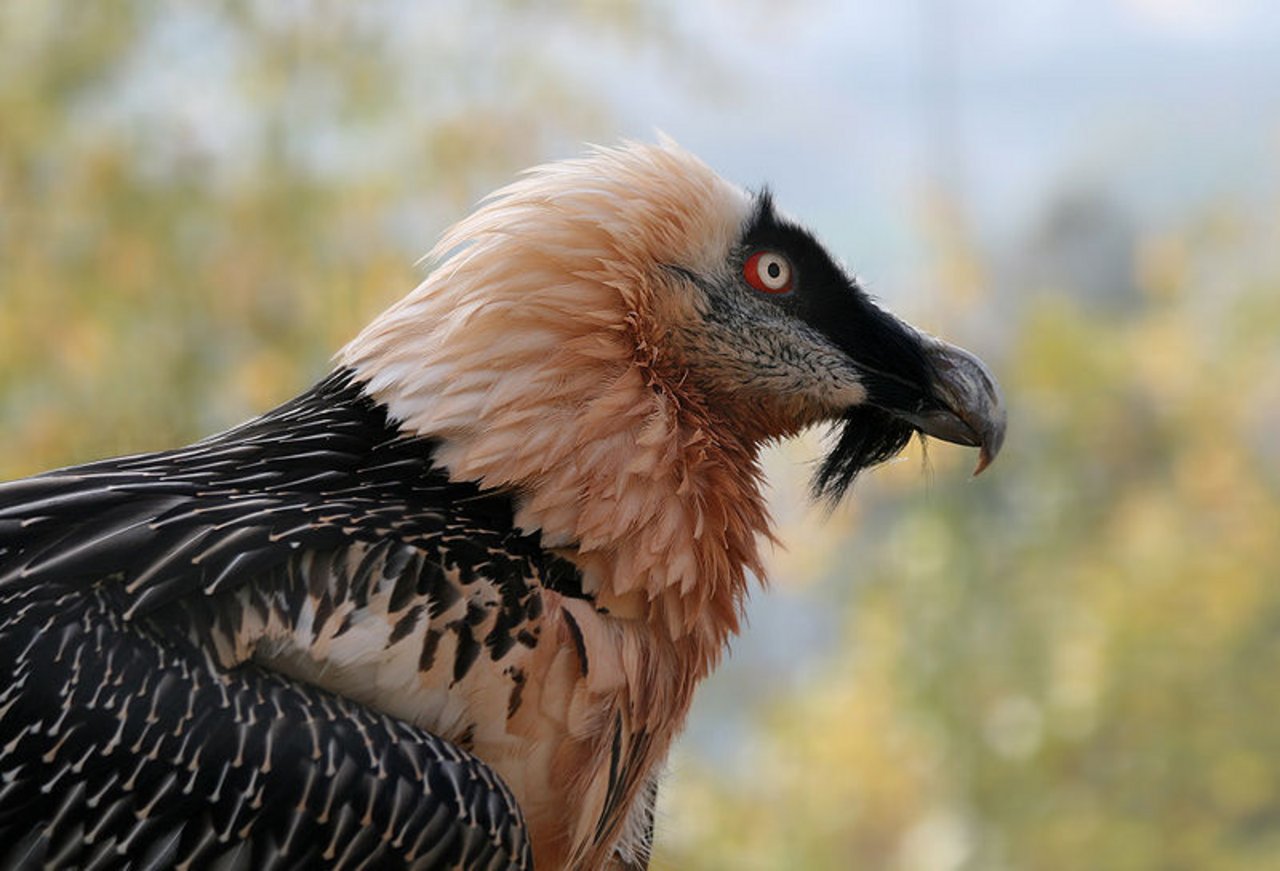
x: 533, y: 354
x: 662, y: 520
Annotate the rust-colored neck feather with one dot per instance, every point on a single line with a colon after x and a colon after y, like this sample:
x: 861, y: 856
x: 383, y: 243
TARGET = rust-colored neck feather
x: 534, y: 351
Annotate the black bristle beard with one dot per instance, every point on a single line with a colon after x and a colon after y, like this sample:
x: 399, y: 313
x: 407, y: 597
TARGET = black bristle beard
x: 867, y: 436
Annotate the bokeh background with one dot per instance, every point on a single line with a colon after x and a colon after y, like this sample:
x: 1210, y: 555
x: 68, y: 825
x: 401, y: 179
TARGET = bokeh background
x: 1071, y: 662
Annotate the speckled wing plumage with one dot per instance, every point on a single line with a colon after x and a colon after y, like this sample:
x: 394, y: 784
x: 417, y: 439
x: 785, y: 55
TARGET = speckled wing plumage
x: 138, y: 754
x: 132, y: 733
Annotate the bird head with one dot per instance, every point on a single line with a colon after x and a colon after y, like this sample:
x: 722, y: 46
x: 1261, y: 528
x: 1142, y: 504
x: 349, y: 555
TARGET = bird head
x: 642, y: 256
x: 784, y: 337
x: 611, y: 338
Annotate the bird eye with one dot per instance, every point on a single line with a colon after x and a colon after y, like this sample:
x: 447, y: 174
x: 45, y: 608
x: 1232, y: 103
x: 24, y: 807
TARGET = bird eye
x: 768, y: 272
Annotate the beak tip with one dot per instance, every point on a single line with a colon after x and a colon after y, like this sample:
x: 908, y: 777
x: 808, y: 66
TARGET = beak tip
x: 984, y: 460
x: 992, y: 441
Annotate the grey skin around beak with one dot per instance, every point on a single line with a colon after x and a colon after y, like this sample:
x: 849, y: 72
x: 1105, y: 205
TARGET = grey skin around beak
x: 963, y: 406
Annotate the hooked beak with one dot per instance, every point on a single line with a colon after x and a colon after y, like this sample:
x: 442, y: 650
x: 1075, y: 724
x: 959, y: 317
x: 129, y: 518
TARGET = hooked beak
x: 963, y: 404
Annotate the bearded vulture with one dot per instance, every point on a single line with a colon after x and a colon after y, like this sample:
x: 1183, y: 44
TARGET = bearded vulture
x: 448, y: 607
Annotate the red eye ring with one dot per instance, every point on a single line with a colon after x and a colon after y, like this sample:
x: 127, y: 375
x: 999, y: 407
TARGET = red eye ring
x: 768, y: 272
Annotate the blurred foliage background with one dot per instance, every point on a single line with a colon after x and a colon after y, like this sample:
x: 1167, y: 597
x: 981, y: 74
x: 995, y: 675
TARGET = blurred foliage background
x: 1070, y: 662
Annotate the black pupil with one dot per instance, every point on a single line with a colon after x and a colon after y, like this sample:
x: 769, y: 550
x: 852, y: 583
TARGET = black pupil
x: 773, y: 269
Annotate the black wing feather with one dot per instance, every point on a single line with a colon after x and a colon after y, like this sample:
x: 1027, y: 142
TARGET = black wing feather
x: 144, y: 754
x: 124, y: 744
x: 316, y: 473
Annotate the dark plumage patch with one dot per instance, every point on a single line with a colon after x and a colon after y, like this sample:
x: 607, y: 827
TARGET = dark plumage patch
x: 346, y: 624
x: 620, y: 775
x: 324, y: 609
x: 430, y: 644
x: 517, y: 692
x: 468, y: 649
x: 564, y: 578
x: 440, y: 593
x: 579, y: 644
x: 404, y: 588
x: 891, y: 361
x: 865, y: 437
x: 894, y: 364
x: 405, y: 625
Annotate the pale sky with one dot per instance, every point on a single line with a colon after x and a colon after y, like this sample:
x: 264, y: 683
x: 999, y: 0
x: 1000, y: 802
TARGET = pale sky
x: 848, y: 109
